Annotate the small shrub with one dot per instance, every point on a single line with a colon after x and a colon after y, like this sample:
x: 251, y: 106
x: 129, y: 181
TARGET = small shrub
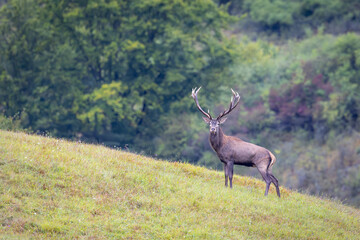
x: 10, y: 123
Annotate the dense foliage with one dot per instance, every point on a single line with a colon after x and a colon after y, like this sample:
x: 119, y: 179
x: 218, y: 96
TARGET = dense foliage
x: 305, y: 108
x: 120, y: 73
x: 108, y: 69
x: 296, y: 18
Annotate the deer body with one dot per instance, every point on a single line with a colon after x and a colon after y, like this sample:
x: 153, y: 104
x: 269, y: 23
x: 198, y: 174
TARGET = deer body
x: 234, y: 151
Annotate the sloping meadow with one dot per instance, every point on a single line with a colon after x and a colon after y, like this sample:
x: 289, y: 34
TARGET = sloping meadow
x: 52, y: 188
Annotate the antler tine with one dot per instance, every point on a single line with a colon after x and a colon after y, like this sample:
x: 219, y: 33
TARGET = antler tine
x: 194, y: 96
x: 234, y: 101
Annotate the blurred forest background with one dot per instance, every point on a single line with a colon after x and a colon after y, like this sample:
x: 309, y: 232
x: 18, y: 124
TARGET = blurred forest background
x: 120, y: 73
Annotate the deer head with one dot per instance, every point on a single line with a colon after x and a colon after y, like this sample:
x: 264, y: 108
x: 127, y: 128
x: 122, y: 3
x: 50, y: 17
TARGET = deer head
x: 214, y: 123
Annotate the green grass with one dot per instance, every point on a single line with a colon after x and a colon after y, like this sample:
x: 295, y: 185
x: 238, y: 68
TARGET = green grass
x: 56, y: 189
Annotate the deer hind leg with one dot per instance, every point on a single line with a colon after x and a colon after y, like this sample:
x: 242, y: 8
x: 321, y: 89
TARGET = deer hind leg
x: 266, y: 177
x: 275, y: 181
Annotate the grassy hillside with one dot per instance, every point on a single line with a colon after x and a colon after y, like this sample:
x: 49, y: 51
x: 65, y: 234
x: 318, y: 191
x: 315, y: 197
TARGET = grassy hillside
x: 57, y: 189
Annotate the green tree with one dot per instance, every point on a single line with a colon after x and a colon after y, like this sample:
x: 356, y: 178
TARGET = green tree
x: 343, y: 71
x: 39, y: 76
x: 273, y: 14
x: 110, y: 67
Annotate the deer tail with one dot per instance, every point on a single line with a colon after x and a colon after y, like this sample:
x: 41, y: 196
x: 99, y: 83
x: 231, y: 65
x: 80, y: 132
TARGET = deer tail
x: 273, y: 159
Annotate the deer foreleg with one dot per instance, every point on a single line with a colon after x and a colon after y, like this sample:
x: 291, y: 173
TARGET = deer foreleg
x: 230, y: 172
x: 226, y: 174
x: 228, y: 169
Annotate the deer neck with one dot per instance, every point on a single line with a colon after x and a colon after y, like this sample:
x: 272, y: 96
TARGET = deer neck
x: 216, y: 140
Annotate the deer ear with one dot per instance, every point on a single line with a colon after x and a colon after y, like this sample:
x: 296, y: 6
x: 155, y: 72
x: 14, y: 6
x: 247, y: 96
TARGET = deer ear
x: 222, y: 120
x: 207, y: 120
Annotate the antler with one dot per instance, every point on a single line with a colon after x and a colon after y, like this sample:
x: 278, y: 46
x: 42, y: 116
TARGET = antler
x: 233, y: 103
x: 194, y: 96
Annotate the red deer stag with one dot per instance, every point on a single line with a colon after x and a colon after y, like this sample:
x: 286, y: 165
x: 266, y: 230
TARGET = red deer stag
x: 234, y: 151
